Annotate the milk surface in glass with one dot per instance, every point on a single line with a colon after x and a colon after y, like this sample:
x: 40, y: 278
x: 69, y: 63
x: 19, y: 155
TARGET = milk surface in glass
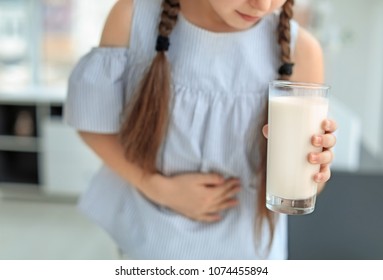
x: 293, y: 120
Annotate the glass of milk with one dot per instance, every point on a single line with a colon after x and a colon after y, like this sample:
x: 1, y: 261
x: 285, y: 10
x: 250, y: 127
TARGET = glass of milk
x: 296, y: 113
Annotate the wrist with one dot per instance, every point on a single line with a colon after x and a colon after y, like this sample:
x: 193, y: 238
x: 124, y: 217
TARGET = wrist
x: 153, y: 186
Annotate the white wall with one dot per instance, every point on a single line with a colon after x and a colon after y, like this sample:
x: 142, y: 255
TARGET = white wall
x: 355, y: 70
x: 88, y: 20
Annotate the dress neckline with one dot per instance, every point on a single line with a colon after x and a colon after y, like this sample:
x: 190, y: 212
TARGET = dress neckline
x: 197, y: 29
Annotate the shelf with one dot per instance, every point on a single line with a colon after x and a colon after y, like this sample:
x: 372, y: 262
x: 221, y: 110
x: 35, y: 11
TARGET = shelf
x: 32, y: 95
x: 21, y: 153
x: 19, y: 167
x: 18, y: 120
x: 18, y: 144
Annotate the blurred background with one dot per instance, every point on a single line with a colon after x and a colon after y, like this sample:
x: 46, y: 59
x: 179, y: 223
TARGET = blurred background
x: 44, y: 167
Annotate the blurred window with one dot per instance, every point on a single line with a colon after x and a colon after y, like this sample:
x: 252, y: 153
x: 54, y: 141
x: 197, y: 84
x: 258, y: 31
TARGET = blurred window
x: 40, y: 40
x: 14, y: 57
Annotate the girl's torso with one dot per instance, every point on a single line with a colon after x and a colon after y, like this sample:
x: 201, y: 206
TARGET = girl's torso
x: 220, y: 83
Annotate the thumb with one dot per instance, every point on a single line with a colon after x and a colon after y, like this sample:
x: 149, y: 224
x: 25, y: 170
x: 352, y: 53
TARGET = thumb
x: 265, y: 131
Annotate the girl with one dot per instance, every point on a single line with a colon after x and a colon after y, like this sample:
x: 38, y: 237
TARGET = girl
x: 185, y: 162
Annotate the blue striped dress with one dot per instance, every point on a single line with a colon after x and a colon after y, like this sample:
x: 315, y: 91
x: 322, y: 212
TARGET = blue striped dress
x: 220, y: 81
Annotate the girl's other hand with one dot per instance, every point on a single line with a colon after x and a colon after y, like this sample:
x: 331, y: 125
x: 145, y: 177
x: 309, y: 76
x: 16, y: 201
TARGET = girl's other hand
x: 198, y: 196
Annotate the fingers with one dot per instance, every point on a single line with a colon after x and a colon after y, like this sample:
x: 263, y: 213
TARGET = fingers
x: 325, y: 140
x: 210, y: 179
x: 201, y: 196
x: 229, y: 183
x: 323, y: 175
x: 324, y: 157
x: 329, y: 126
x: 265, y: 130
x: 230, y: 203
x: 210, y: 218
x: 231, y: 192
x: 226, y: 198
x: 227, y: 190
x: 214, y: 215
x: 222, y: 198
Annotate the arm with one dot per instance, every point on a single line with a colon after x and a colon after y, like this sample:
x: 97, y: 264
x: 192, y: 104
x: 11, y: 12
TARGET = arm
x: 116, y: 33
x: 195, y: 195
x: 308, y: 59
x: 309, y: 68
x: 108, y: 148
x: 117, y: 27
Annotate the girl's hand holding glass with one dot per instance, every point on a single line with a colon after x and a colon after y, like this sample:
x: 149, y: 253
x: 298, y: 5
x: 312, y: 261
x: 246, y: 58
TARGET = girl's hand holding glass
x: 324, y: 158
x: 327, y: 141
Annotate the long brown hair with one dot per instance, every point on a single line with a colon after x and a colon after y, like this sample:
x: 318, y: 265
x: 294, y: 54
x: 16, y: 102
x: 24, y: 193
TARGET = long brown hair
x: 146, y: 122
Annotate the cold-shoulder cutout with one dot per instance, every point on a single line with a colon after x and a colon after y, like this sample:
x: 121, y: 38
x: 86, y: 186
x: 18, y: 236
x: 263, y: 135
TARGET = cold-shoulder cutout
x: 308, y: 59
x: 117, y: 27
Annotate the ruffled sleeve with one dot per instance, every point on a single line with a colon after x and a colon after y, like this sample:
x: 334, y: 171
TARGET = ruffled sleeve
x: 96, y: 86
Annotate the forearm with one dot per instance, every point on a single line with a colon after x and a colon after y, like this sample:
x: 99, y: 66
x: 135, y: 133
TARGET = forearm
x: 110, y: 151
x: 199, y: 196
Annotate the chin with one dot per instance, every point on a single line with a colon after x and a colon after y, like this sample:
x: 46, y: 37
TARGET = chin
x: 241, y: 26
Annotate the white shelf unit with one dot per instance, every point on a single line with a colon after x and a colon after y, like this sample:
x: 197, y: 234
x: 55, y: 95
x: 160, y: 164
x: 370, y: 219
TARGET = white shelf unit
x: 52, y: 158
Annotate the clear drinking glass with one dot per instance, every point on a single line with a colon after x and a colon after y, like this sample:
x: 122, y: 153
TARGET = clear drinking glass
x: 296, y: 113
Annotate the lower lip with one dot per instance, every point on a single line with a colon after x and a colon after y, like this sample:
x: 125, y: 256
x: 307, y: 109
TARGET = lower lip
x: 248, y: 18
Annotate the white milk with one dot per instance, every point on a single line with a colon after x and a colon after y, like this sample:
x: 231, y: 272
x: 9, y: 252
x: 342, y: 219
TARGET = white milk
x: 292, y: 123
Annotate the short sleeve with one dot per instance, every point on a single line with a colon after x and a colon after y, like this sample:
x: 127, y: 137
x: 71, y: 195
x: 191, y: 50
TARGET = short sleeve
x: 96, y: 86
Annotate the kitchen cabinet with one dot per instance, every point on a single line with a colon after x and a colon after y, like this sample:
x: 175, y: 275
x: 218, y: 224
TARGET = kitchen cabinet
x: 37, y: 149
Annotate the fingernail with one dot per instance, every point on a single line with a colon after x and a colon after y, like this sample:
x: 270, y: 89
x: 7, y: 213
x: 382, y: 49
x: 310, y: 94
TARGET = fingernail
x: 328, y: 125
x: 314, y: 158
x: 317, y: 140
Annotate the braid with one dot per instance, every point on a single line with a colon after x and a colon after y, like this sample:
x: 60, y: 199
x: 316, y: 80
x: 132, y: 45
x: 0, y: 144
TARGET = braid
x: 169, y: 15
x: 284, y: 37
x: 147, y: 116
x: 285, y: 71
